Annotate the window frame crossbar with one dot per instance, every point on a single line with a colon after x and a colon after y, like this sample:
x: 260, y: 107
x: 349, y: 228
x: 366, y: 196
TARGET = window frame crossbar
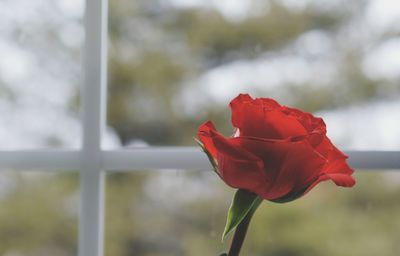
x: 132, y: 159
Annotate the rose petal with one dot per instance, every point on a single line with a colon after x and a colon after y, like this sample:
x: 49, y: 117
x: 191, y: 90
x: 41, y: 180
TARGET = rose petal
x: 309, y: 122
x: 338, y: 166
x: 237, y: 167
x: 315, y: 126
x: 236, y: 105
x: 263, y: 118
x: 302, y: 165
x: 241, y: 174
x: 329, y: 151
x: 248, y: 117
x: 204, y: 136
x: 268, y: 103
x: 314, y: 138
x: 271, y: 152
x: 338, y: 171
x: 285, y: 126
x: 343, y: 180
x: 289, y: 165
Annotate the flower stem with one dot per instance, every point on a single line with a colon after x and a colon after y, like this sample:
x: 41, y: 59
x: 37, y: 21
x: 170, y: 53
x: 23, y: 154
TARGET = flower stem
x: 240, y: 234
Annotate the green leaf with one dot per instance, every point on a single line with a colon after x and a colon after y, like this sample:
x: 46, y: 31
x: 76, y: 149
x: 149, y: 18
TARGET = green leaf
x: 243, y: 203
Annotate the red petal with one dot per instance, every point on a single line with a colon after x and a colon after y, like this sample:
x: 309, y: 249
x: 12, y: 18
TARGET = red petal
x: 229, y: 147
x: 268, y: 104
x: 204, y: 136
x: 241, y: 174
x: 329, y: 151
x: 237, y: 167
x: 338, y: 166
x: 302, y: 165
x: 290, y: 166
x: 237, y: 108
x: 314, y: 138
x: 263, y: 118
x: 343, y: 180
x: 309, y: 122
x: 285, y: 126
x: 248, y: 117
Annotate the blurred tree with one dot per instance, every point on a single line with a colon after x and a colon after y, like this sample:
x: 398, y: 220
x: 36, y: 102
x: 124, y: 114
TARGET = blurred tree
x: 39, y: 215
x: 157, y: 53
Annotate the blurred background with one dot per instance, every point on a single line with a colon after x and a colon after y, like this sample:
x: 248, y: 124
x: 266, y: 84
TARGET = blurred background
x: 172, y: 65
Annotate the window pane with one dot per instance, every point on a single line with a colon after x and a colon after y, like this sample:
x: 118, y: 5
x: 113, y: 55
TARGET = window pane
x: 39, y: 213
x: 40, y: 72
x: 174, y: 64
x: 183, y: 213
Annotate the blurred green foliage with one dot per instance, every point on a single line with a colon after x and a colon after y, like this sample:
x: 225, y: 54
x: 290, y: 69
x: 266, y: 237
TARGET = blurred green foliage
x: 154, y: 51
x: 328, y: 221
x: 38, y: 214
x: 157, y: 52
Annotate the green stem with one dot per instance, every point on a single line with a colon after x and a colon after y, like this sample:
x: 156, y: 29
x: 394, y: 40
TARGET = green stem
x: 240, y: 234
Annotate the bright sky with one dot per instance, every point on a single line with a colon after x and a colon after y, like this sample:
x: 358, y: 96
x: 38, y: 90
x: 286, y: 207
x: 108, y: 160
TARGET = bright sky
x: 369, y: 126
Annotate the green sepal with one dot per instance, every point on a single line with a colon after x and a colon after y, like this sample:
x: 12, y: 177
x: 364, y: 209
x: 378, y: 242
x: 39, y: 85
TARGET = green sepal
x: 243, y: 203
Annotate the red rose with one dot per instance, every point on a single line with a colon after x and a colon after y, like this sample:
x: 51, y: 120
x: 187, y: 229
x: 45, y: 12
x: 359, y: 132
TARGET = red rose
x: 277, y: 152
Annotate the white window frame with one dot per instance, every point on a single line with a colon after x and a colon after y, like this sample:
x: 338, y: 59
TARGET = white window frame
x: 92, y: 162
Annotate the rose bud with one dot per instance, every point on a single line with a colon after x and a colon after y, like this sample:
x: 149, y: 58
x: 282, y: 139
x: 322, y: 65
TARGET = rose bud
x: 277, y: 152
